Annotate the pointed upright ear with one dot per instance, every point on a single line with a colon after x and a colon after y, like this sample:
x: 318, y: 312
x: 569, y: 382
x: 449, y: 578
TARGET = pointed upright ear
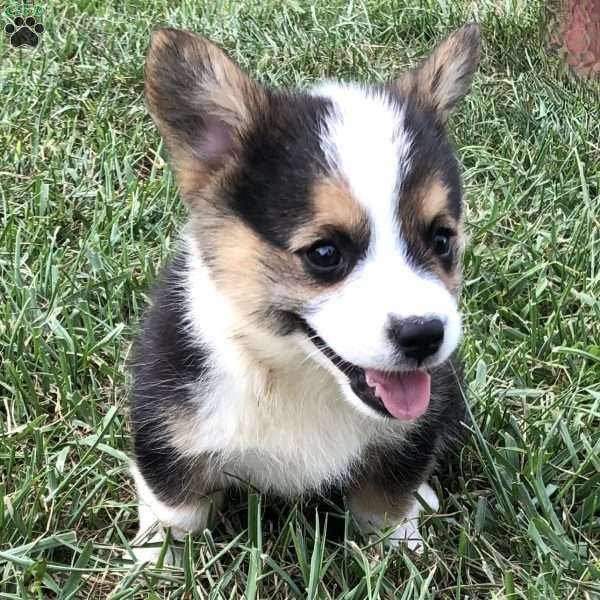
x: 445, y: 76
x: 201, y: 101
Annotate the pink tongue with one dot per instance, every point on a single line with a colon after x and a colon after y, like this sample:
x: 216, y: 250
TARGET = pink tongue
x: 404, y: 395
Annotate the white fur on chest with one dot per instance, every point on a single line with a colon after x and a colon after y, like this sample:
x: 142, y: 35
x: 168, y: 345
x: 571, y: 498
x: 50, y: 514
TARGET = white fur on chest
x: 293, y: 435
x: 285, y: 427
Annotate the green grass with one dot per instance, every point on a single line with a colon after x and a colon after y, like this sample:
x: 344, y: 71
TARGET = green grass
x: 88, y: 210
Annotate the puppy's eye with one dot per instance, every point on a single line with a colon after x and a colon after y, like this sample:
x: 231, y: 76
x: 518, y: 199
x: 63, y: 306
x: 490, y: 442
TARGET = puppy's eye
x: 324, y: 257
x: 441, y: 242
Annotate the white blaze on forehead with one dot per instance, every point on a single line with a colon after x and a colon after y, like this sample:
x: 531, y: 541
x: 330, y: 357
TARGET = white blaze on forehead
x: 365, y: 141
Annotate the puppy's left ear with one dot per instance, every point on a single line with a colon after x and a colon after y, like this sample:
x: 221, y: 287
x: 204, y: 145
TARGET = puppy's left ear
x: 445, y: 77
x: 202, y: 102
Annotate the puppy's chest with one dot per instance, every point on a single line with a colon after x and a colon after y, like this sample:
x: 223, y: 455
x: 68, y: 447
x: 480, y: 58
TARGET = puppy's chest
x: 295, y: 436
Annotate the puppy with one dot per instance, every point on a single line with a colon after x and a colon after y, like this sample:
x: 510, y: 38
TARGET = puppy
x: 302, y: 339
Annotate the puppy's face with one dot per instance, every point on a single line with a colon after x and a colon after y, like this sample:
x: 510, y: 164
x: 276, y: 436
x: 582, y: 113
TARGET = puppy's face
x: 330, y: 218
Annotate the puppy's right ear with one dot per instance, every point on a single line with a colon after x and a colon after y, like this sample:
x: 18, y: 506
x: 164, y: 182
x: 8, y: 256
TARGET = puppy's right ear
x: 445, y: 77
x: 202, y: 103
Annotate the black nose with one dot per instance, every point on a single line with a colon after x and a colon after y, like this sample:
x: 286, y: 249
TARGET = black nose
x: 417, y: 338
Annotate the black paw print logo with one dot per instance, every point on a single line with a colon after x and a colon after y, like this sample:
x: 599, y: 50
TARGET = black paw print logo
x: 24, y: 32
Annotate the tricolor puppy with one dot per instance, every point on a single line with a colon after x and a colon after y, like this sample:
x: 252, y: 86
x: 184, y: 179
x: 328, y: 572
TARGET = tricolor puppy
x: 302, y: 338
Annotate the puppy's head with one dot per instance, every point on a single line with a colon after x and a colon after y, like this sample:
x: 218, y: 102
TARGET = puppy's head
x: 331, y: 219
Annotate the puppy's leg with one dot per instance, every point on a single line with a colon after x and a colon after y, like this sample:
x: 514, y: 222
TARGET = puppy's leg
x: 374, y: 510
x: 408, y: 530
x: 156, y: 516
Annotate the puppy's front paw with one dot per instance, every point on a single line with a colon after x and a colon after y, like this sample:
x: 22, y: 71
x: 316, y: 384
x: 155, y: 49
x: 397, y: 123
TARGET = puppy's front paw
x: 151, y: 554
x: 426, y: 493
x: 375, y: 514
x: 407, y: 533
x: 146, y: 554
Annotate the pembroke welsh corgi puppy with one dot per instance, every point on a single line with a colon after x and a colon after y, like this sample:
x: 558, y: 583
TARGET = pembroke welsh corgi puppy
x: 302, y: 339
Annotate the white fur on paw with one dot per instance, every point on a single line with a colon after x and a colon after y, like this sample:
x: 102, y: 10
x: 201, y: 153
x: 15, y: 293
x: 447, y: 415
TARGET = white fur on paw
x: 408, y: 534
x: 426, y: 492
x: 146, y: 555
x: 148, y: 544
x: 151, y: 554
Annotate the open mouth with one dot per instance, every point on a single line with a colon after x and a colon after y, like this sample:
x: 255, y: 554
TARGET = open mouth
x: 399, y: 395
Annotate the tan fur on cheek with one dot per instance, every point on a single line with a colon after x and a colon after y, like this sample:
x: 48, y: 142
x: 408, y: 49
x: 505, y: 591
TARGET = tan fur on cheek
x: 239, y: 263
x: 254, y: 274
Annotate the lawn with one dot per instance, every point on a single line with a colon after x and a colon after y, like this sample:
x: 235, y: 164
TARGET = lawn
x: 89, y: 210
